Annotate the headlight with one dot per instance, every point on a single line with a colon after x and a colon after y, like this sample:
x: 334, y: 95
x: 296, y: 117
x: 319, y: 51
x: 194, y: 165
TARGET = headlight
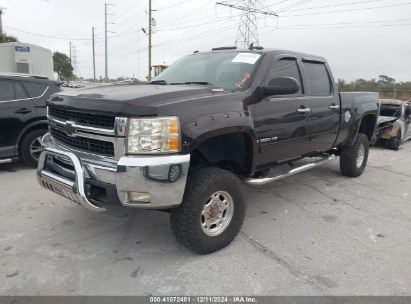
x: 154, y: 135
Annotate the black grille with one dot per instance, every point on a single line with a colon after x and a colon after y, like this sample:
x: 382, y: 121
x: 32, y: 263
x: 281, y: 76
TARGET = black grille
x: 85, y: 144
x: 94, y: 120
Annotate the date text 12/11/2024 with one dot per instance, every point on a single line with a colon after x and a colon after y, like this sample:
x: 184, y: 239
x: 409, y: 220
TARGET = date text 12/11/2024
x: 203, y: 299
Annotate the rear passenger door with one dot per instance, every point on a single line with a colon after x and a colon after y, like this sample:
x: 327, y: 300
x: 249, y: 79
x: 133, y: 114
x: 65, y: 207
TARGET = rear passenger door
x: 324, y: 104
x: 16, y: 110
x: 39, y: 93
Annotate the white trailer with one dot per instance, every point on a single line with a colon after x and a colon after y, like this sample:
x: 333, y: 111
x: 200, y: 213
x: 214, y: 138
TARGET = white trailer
x: 17, y: 57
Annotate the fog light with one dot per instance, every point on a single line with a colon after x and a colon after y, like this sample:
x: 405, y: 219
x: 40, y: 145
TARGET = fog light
x: 139, y: 197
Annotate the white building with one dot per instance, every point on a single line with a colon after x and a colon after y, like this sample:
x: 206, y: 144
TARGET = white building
x: 17, y: 57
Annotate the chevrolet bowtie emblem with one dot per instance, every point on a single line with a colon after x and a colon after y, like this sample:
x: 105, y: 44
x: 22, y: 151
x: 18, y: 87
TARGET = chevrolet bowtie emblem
x: 69, y: 128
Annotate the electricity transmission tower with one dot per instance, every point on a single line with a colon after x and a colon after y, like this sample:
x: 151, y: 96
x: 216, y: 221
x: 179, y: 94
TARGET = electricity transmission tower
x: 247, y: 32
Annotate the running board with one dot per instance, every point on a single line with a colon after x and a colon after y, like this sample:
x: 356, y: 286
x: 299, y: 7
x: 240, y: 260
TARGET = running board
x: 305, y: 167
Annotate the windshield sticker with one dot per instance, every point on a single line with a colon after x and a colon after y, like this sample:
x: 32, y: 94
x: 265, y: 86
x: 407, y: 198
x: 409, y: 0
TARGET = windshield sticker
x: 240, y: 84
x: 249, y: 58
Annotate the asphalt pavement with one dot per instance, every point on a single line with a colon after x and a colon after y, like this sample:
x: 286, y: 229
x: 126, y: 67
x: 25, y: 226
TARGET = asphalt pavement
x: 316, y: 233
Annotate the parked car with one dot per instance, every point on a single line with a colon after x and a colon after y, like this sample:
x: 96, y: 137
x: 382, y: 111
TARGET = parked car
x: 187, y: 141
x: 394, y: 123
x: 23, y: 118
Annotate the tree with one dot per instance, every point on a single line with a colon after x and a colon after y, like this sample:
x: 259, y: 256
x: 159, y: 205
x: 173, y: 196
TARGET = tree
x: 4, y: 38
x: 385, y: 79
x: 62, y: 66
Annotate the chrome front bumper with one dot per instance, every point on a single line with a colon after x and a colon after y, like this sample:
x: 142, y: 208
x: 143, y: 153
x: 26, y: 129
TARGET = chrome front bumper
x: 149, y: 182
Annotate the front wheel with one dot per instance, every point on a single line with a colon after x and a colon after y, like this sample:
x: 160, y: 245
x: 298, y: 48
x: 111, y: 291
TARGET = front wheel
x: 212, y: 211
x: 354, y: 159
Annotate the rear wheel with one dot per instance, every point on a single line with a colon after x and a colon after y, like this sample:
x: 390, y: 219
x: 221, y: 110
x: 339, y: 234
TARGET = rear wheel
x: 30, y: 147
x: 353, y: 159
x: 212, y: 211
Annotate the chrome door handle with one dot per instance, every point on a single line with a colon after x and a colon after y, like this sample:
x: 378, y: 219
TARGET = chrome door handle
x: 334, y: 107
x: 303, y: 110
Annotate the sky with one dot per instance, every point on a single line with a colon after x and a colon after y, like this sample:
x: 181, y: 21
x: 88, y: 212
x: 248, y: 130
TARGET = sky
x: 359, y: 38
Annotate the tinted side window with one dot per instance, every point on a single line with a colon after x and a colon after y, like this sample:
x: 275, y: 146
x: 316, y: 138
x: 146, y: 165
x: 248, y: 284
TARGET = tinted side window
x: 34, y: 89
x: 19, y: 90
x: 6, y: 90
x: 318, y: 79
x: 286, y: 68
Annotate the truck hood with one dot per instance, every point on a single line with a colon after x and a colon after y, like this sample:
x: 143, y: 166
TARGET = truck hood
x: 129, y: 100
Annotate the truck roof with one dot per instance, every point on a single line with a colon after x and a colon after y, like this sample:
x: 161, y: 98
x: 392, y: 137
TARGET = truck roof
x: 304, y: 56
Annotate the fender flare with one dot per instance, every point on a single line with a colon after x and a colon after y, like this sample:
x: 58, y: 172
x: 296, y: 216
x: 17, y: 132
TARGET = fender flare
x: 355, y: 126
x: 201, y: 129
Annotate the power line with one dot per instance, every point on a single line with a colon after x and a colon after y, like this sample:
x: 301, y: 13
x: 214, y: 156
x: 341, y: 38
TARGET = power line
x: 284, y: 9
x: 345, y: 27
x: 349, y: 10
x: 274, y: 4
x: 349, y: 23
x: 45, y: 36
x: 198, y: 24
x: 334, y: 5
x: 173, y: 5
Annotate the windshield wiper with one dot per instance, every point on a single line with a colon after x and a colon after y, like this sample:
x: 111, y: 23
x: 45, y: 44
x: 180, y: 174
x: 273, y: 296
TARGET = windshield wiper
x: 192, y: 82
x: 163, y: 82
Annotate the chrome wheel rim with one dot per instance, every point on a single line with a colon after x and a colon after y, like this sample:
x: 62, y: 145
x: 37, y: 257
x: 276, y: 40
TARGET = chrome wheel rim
x: 360, y: 156
x: 35, y: 148
x: 217, y: 213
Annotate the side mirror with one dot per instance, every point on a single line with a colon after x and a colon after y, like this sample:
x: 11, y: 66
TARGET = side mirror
x: 282, y: 86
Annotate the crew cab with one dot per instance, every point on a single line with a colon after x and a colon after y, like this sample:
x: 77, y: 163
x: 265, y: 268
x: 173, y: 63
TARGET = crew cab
x: 186, y: 142
x: 23, y: 119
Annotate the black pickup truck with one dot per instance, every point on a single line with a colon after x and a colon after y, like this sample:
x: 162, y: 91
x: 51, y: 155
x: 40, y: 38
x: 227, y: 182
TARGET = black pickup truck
x: 187, y: 141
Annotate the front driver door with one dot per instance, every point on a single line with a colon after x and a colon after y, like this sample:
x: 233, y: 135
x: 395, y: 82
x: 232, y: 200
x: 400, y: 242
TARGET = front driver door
x: 281, y: 122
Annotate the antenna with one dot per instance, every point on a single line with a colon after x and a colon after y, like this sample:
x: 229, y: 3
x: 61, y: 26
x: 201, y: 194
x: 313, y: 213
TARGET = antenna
x: 248, y: 28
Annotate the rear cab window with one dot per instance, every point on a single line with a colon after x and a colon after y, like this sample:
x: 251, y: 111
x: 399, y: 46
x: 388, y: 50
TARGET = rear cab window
x: 318, y: 79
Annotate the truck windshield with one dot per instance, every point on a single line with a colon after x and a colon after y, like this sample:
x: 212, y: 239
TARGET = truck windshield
x: 228, y: 70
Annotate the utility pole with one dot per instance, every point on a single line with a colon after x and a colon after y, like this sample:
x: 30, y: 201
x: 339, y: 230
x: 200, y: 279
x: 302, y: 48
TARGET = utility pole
x: 105, y: 44
x: 149, y: 40
x: 138, y: 55
x: 105, y: 39
x: 70, y: 46
x: 1, y: 22
x: 248, y: 28
x: 94, y: 55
